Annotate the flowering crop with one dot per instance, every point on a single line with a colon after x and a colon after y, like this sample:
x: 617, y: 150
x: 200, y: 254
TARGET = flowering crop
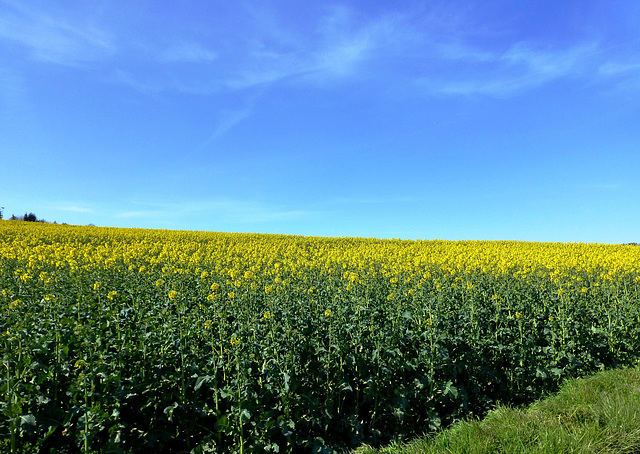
x: 127, y: 340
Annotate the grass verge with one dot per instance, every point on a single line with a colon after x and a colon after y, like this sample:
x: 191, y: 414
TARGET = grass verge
x: 597, y: 414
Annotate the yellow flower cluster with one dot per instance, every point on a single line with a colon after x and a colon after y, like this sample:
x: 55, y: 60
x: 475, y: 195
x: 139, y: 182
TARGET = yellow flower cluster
x: 233, y: 266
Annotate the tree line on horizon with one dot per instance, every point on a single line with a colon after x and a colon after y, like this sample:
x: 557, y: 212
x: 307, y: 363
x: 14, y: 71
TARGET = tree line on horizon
x: 28, y: 217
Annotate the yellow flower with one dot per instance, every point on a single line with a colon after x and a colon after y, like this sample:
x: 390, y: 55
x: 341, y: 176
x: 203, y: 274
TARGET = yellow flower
x: 173, y: 295
x: 159, y: 282
x: 97, y: 285
x: 234, y: 340
x: 214, y: 287
x: 551, y: 318
x: 328, y: 313
x: 267, y: 315
x: 112, y: 294
x: 518, y: 314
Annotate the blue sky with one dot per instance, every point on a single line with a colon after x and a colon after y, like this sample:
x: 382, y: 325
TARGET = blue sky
x: 439, y: 119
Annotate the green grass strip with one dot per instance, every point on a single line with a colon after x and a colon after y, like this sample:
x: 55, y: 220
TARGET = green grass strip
x: 597, y: 414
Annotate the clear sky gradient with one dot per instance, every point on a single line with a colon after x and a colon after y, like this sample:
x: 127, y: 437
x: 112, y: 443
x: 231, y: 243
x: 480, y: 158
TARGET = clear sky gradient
x: 434, y: 119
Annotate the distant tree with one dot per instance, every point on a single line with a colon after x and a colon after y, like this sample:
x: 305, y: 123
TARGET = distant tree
x: 30, y: 217
x: 13, y: 218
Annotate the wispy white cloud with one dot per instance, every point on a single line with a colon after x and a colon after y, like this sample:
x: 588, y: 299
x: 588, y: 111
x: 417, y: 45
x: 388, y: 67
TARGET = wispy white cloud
x: 54, y: 39
x: 188, y: 52
x: 226, y: 210
x: 337, y: 48
x: 341, y: 44
x: 550, y: 63
x: 614, y: 69
x: 148, y: 87
x: 227, y: 120
x: 521, y: 67
x: 73, y: 208
x: 456, y: 50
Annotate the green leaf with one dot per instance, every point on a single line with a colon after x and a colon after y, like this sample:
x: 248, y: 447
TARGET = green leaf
x: 222, y: 423
x: 245, y: 416
x: 450, y: 390
x: 28, y: 420
x: 541, y: 373
x: 201, y: 380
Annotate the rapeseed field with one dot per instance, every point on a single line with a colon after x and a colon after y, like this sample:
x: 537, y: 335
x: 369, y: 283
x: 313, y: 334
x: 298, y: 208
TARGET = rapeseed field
x: 131, y: 340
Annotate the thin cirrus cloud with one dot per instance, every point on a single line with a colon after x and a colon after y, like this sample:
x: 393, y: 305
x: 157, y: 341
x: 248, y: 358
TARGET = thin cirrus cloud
x: 619, y: 68
x: 188, y: 52
x: 335, y: 50
x: 75, y: 208
x: 340, y: 46
x: 226, y: 121
x: 53, y: 39
x: 224, y: 209
x: 519, y: 68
